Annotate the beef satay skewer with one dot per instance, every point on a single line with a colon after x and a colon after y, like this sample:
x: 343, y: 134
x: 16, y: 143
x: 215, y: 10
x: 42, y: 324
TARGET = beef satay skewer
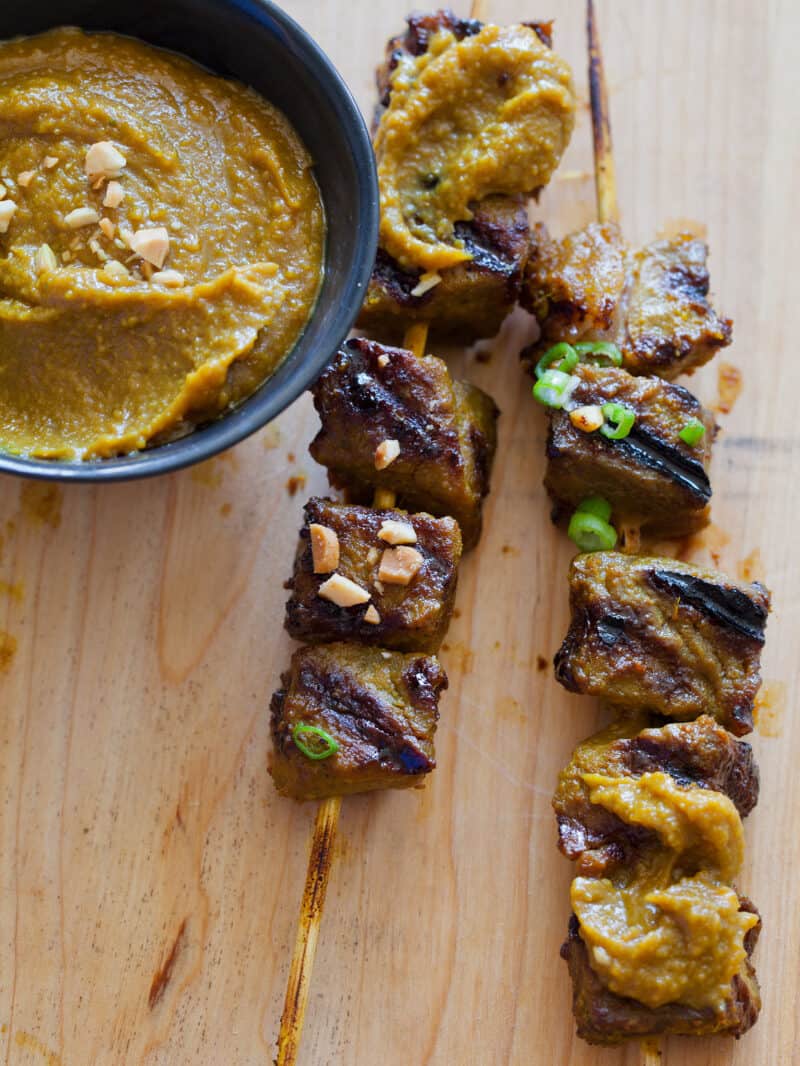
x: 320, y: 858
x: 605, y: 180
x: 327, y: 819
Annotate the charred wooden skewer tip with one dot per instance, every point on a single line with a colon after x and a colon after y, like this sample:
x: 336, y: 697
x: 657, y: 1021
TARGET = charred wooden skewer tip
x: 320, y: 860
x: 605, y: 175
x: 651, y: 1054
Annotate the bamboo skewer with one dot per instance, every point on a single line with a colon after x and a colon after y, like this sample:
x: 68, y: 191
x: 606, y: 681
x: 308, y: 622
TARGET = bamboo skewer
x: 605, y: 175
x: 320, y: 860
x: 605, y: 182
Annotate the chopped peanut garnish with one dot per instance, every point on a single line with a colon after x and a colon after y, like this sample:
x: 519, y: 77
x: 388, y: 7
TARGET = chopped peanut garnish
x: 3, y: 191
x: 343, y: 592
x: 103, y: 161
x: 588, y: 418
x: 108, y: 228
x: 383, y: 360
x: 46, y: 259
x: 394, y: 532
x: 94, y: 246
x: 115, y: 270
x: 426, y: 283
x: 324, y: 548
x: 80, y: 217
x: 372, y: 556
x: 399, y: 565
x: 386, y: 452
x: 114, y: 196
x: 379, y: 586
x: 7, y: 210
x: 170, y: 279
x: 152, y: 245
x: 25, y: 178
x: 372, y: 616
x: 50, y: 161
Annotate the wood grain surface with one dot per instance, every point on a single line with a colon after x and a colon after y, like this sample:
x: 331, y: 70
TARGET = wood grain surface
x: 150, y: 877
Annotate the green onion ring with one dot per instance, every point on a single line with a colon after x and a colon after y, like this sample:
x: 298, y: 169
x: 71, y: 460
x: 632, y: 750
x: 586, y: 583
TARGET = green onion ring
x: 591, y: 533
x: 563, y: 353
x: 331, y: 745
x: 596, y: 505
x: 693, y: 432
x: 554, y: 388
x: 622, y: 418
x: 600, y: 350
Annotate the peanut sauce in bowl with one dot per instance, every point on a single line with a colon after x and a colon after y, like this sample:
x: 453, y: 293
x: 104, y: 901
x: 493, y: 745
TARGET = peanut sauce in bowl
x: 163, y: 244
x: 188, y: 221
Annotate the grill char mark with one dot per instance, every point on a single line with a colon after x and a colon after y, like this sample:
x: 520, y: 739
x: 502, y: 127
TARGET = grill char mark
x: 729, y: 607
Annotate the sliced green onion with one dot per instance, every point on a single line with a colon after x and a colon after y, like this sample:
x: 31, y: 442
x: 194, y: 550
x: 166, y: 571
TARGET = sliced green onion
x: 603, y: 353
x: 591, y: 533
x: 596, y: 505
x: 563, y: 353
x: 622, y: 418
x: 554, y: 388
x: 330, y: 746
x: 693, y: 432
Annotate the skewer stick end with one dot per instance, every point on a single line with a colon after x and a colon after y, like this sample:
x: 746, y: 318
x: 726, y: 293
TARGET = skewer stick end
x: 651, y: 1053
x: 320, y: 860
x: 604, y: 172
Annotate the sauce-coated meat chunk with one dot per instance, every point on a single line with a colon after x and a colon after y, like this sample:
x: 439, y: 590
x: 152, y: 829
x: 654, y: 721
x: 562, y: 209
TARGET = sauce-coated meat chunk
x: 376, y: 709
x: 608, y: 1019
x: 665, y: 636
x: 392, y: 421
x: 652, y: 478
x: 652, y: 303
x: 405, y: 613
x: 698, y: 752
x: 472, y: 298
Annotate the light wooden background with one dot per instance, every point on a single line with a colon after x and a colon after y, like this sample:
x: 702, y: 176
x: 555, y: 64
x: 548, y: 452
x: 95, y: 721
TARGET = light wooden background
x: 150, y: 878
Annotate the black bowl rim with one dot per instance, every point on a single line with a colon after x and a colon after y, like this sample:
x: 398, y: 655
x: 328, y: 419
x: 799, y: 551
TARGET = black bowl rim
x: 255, y: 412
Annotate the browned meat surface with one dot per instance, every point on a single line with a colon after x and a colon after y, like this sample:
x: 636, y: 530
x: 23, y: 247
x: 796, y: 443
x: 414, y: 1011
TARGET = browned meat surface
x: 446, y: 432
x: 676, y: 639
x: 473, y: 298
x: 605, y: 1018
x: 420, y: 27
x: 380, y: 708
x: 651, y: 478
x: 700, y: 752
x: 652, y: 303
x: 411, y: 617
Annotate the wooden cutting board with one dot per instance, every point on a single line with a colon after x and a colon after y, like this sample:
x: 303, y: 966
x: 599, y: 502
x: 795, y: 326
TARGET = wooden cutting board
x: 150, y: 876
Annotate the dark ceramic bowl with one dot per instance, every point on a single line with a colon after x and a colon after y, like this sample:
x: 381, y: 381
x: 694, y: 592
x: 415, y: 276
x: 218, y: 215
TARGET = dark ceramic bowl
x: 258, y: 44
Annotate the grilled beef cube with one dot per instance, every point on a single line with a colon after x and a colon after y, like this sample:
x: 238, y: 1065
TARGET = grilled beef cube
x: 666, y: 636
x: 380, y: 708
x: 446, y: 432
x: 410, y: 617
x: 652, y: 303
x: 651, y: 478
x: 605, y: 1018
x: 473, y: 298
x: 414, y: 41
x: 700, y: 752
